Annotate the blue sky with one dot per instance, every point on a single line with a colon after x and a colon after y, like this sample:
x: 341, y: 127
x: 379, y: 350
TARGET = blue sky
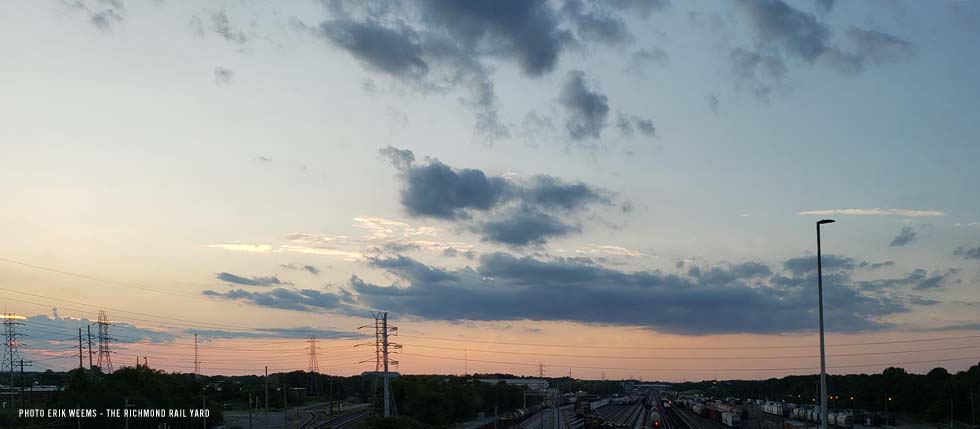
x: 669, y: 150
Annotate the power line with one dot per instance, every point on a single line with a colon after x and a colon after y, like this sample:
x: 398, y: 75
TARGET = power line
x: 173, y: 321
x: 712, y: 358
x: 701, y: 370
x: 98, y: 280
x: 582, y: 346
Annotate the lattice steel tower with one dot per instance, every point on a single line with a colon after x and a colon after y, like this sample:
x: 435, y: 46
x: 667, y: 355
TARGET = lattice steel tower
x: 314, y: 367
x: 11, y: 356
x: 105, y: 349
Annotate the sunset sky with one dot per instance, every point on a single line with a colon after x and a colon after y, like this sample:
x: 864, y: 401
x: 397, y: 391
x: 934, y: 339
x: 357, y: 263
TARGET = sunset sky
x: 620, y: 188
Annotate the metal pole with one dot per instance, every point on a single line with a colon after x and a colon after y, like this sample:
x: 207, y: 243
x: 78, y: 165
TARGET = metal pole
x: 80, y: 364
x: 973, y: 413
x: 204, y: 406
x: 267, y: 388
x: 384, y: 333
x: 823, y: 361
x: 89, y: 327
x: 125, y: 410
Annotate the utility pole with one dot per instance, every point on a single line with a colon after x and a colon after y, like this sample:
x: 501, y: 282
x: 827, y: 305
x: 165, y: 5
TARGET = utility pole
x: 267, y: 389
x: 89, y: 328
x: 22, y: 378
x: 285, y: 407
x: 197, y: 360
x: 125, y: 413
x: 80, y: 348
x: 331, y: 394
x: 204, y: 406
x: 973, y: 412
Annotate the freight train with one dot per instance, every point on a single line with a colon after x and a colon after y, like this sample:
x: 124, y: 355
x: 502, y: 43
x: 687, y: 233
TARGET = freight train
x: 842, y: 419
x: 727, y: 415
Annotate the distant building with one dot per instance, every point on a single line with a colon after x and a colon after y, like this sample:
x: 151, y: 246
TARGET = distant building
x: 531, y: 383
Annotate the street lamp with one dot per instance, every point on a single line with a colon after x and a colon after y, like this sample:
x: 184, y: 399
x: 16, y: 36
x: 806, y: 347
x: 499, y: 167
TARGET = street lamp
x: 823, y: 361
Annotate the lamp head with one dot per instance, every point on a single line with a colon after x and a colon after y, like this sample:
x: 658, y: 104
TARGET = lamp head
x: 823, y: 221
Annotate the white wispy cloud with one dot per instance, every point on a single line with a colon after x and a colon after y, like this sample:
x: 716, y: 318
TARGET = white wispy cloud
x: 382, y: 236
x: 875, y: 212
x: 612, y: 250
x: 323, y: 251
x: 242, y: 247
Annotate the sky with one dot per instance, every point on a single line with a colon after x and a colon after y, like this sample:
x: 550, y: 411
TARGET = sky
x: 612, y: 189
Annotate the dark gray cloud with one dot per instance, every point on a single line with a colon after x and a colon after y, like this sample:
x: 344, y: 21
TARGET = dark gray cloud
x: 524, y: 227
x: 904, y: 237
x: 299, y: 332
x: 918, y: 279
x: 426, y: 58
x: 784, y: 33
x: 526, y: 31
x: 221, y: 25
x: 104, y: 19
x: 223, y: 75
x: 642, y: 8
x: 286, y: 299
x: 758, y: 72
x: 551, y: 192
x: 250, y: 281
x: 103, y: 15
x: 594, y: 23
x: 395, y: 51
x: 798, y: 33
x: 308, y: 268
x: 629, y: 124
x: 437, y: 190
x: 825, y: 6
x: 875, y: 265
x: 453, y: 252
x: 877, y: 47
x: 53, y: 332
x: 808, y: 264
x: 742, y: 298
x: 443, y: 45
x: 513, y: 212
x: 586, y: 109
x: 967, y: 252
x: 644, y: 58
x: 713, y: 103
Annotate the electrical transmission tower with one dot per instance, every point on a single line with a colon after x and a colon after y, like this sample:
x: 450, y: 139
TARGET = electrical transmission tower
x: 540, y: 369
x: 383, y: 348
x: 197, y: 360
x: 314, y: 367
x: 105, y: 350
x: 11, y: 357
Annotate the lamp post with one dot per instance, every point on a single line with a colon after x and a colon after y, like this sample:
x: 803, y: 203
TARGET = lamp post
x: 823, y: 361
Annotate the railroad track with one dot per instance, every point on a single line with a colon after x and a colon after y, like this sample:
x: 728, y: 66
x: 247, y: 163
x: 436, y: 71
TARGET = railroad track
x: 315, y: 421
x: 695, y: 422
